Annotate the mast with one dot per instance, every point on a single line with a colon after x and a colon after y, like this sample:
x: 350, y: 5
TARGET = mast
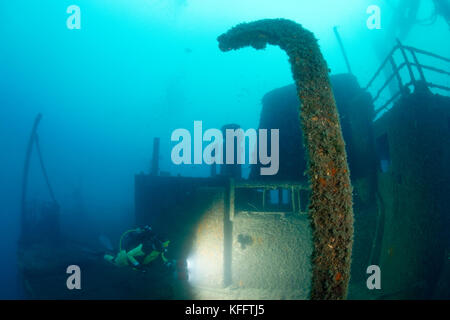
x: 23, y: 209
x: 341, y: 45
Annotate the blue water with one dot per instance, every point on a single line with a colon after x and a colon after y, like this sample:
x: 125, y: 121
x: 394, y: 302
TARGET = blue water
x: 135, y: 70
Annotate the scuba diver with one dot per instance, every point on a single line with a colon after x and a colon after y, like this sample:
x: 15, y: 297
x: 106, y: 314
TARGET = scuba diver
x: 140, y: 248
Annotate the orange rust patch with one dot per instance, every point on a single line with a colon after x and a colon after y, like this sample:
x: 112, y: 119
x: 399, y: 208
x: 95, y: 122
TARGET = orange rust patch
x: 323, y: 182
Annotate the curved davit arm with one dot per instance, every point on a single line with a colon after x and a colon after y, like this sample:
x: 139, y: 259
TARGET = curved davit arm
x: 330, y: 206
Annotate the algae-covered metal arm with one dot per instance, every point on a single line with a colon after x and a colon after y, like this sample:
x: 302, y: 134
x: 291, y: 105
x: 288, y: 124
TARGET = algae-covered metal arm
x: 330, y: 206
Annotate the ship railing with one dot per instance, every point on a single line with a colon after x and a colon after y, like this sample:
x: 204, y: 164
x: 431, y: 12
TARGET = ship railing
x: 412, y: 80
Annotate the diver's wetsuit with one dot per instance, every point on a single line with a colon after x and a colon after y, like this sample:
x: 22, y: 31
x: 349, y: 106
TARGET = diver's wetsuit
x: 147, y: 237
x: 142, y: 247
x: 149, y: 240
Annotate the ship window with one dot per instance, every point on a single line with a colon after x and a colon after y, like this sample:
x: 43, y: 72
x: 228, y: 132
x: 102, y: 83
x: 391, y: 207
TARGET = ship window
x: 285, y: 196
x: 279, y: 197
x: 271, y: 199
x: 383, y: 152
x: 274, y: 196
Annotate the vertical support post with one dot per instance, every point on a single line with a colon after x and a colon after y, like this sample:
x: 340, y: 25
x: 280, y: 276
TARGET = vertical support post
x: 228, y: 233
x: 155, y: 157
x: 293, y: 200
x: 213, y: 170
x: 213, y: 167
x: 344, y: 53
x: 44, y: 170
x: 397, y: 74
x: 23, y: 209
x: 231, y: 199
x: 264, y: 200
x: 408, y: 65
x: 419, y: 67
x: 234, y: 169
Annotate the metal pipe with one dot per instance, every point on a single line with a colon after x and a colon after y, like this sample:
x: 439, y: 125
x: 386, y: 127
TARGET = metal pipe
x: 331, y: 206
x: 408, y: 65
x: 427, y: 53
x: 44, y: 171
x: 388, y: 80
x: 23, y: 209
x: 381, y: 67
x: 344, y: 53
x: 418, y: 66
x: 394, y: 67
